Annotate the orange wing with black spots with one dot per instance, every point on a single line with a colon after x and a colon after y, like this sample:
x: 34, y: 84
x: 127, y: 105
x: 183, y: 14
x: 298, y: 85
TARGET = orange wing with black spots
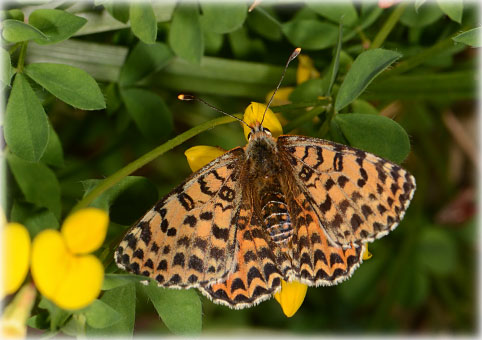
x: 260, y: 266
x: 357, y: 196
x: 187, y: 239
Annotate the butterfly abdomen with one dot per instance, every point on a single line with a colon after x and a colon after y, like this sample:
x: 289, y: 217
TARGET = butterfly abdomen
x: 276, y: 217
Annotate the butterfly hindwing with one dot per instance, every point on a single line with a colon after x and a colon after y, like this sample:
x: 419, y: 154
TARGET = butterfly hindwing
x: 357, y: 195
x: 187, y: 239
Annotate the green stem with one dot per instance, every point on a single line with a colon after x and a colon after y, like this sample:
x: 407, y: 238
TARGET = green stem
x: 388, y: 25
x: 21, y: 57
x: 148, y: 157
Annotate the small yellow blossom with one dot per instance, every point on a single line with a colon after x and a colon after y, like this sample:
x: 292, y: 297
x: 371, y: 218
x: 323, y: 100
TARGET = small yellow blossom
x: 291, y: 296
x: 15, y: 257
x: 254, y: 114
x: 366, y: 254
x: 62, y: 271
x: 13, y: 324
x: 200, y: 155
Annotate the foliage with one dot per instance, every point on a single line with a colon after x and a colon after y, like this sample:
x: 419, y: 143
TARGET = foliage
x: 91, y: 94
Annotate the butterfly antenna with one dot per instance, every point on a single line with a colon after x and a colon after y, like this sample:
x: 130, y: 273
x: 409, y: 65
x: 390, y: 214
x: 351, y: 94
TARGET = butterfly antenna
x: 188, y: 97
x: 293, y: 56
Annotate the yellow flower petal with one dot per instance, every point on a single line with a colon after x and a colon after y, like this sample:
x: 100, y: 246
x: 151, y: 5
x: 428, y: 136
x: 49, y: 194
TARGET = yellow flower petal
x: 306, y: 70
x: 85, y: 230
x: 15, y: 257
x: 366, y: 254
x: 13, y: 324
x: 82, y: 283
x: 291, y: 296
x: 281, y: 97
x: 200, y: 155
x: 50, y: 261
x: 254, y: 114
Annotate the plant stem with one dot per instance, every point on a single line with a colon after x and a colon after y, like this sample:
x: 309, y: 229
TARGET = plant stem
x: 148, y: 157
x: 21, y: 57
x: 388, y: 25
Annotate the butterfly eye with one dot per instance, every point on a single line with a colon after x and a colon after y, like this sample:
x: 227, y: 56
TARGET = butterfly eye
x: 250, y: 135
x: 267, y: 131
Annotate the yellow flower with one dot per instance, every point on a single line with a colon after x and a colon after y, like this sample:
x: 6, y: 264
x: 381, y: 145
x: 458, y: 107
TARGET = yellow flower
x: 366, y: 254
x: 15, y: 257
x: 254, y: 114
x: 200, y: 155
x: 13, y: 324
x: 61, y: 268
x: 291, y: 296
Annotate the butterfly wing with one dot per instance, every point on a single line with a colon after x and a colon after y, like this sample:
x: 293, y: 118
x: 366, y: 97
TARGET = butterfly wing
x: 356, y: 196
x: 186, y: 239
x: 259, y: 266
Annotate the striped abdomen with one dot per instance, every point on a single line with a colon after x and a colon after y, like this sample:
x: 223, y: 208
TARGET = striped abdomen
x: 276, y: 217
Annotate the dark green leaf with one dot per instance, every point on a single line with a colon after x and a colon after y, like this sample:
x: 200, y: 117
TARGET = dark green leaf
x: 37, y: 182
x: 330, y: 77
x: 56, y: 24
x: 185, y: 34
x: 437, y: 251
x: 112, y: 281
x: 15, y: 14
x: 223, y: 18
x: 364, y: 69
x: 118, y: 9
x: 53, y: 155
x: 15, y: 31
x: 307, y: 91
x: 39, y: 321
x: 418, y: 3
x: 180, y: 310
x: 243, y: 45
x: 70, y: 84
x: 35, y: 219
x: 470, y: 37
x: 424, y: 16
x: 57, y: 316
x: 6, y: 67
x: 343, y: 12
x: 376, y: 134
x: 149, y: 112
x: 311, y: 34
x: 144, y: 60
x: 370, y: 11
x: 123, y: 300
x: 453, y: 8
x: 26, y: 126
x: 143, y: 21
x: 264, y: 23
x: 212, y: 42
x: 100, y: 315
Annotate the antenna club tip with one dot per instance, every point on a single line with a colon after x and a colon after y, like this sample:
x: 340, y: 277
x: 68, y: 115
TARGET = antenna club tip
x: 185, y: 97
x: 298, y: 50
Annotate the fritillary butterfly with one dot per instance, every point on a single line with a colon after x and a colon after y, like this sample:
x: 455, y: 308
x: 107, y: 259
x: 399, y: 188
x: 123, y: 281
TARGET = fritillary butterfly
x: 291, y: 208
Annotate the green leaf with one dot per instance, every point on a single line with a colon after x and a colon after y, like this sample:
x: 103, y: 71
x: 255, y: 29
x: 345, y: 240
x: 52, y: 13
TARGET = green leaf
x: 58, y: 316
x: 100, y: 315
x: 343, y: 12
x: 163, y: 10
x: 149, y: 112
x: 53, y: 155
x: 437, y: 251
x: 56, y: 24
x: 330, y: 77
x: 425, y: 15
x: 376, y: 134
x: 75, y: 326
x: 35, y: 219
x: 144, y: 60
x: 118, y: 9
x: 26, y: 126
x: 311, y: 34
x: 362, y: 106
x: 366, y: 67
x: 307, y: 91
x: 143, y: 21
x: 418, y: 3
x: 264, y: 23
x: 453, y: 8
x: 223, y: 18
x: 6, y: 67
x: 470, y: 37
x: 185, y: 34
x: 112, y: 281
x: 242, y: 45
x: 70, y: 84
x: 37, y: 182
x: 15, y: 31
x: 122, y: 300
x: 180, y: 310
x: 212, y: 42
x: 12, y: 14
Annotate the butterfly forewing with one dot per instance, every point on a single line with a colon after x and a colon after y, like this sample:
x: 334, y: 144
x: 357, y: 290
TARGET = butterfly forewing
x: 356, y: 195
x: 187, y: 238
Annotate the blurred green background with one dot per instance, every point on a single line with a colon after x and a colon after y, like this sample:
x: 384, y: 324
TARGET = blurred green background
x: 422, y: 276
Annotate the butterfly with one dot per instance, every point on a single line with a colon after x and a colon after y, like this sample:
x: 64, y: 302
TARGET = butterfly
x: 287, y: 208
